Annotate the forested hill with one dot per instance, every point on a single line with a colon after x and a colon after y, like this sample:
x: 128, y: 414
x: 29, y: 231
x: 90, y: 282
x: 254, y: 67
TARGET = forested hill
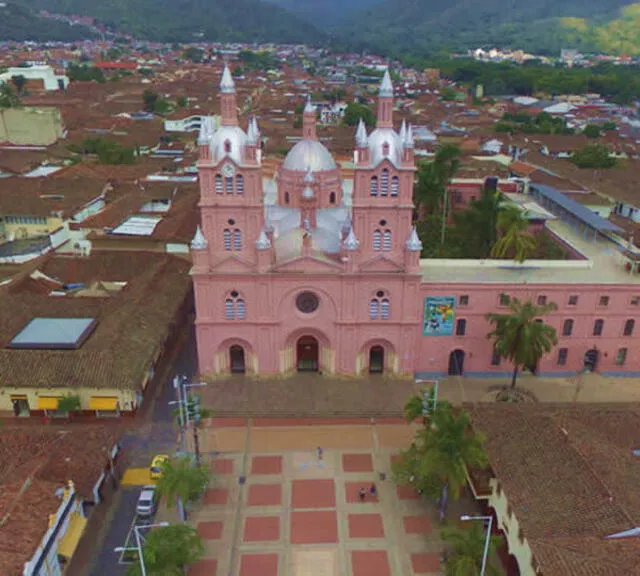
x: 426, y: 26
x: 325, y: 14
x: 191, y: 20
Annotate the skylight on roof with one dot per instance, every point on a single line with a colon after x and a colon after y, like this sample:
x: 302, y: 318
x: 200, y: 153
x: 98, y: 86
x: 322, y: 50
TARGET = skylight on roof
x: 137, y: 226
x: 54, y: 333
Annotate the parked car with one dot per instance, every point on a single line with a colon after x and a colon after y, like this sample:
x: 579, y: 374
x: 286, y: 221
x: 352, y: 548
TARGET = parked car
x: 146, y: 505
x: 156, y: 465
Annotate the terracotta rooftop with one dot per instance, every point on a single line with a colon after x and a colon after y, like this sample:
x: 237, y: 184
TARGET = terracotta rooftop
x: 133, y: 323
x: 570, y: 476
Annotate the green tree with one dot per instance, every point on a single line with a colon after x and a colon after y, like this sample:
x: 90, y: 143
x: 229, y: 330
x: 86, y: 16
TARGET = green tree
x: 150, y: 98
x: 182, y: 102
x: 354, y: 111
x: 592, y: 131
x: 609, y: 126
x: 520, y: 337
x: 194, y: 54
x: 514, y: 239
x: 8, y: 96
x: 181, y: 480
x: 69, y: 403
x: 593, y: 156
x: 430, y: 189
x: 466, y: 550
x: 168, y: 550
x: 19, y: 81
x: 436, y: 461
x: 448, y: 94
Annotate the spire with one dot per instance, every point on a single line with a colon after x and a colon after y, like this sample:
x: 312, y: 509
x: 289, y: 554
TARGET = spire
x: 203, y: 135
x: 199, y: 242
x: 256, y: 129
x: 413, y: 243
x: 227, y: 85
x: 403, y: 132
x: 351, y: 242
x: 252, y: 136
x: 309, y: 108
x: 362, y: 140
x: 408, y: 141
x: 263, y: 242
x: 386, y: 87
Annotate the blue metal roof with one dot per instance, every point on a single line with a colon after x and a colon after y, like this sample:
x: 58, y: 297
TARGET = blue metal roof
x: 581, y: 212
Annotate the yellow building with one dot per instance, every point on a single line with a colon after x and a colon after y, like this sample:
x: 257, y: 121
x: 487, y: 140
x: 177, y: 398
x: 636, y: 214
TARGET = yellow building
x: 30, y: 126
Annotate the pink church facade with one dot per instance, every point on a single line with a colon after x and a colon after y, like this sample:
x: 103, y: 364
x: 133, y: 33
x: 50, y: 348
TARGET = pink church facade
x: 307, y: 272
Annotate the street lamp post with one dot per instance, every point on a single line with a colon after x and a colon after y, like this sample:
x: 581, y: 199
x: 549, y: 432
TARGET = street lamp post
x: 180, y: 384
x: 138, y: 546
x: 485, y: 554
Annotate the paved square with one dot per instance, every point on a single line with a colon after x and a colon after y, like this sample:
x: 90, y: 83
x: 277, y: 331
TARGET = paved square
x: 315, y: 527
x: 216, y: 496
x: 352, y: 492
x: 266, y: 465
x: 357, y: 463
x: 313, y: 494
x: 417, y: 525
x: 204, y: 568
x: 261, y: 529
x: 370, y: 563
x: 258, y: 565
x: 265, y: 495
x: 210, y: 530
x: 425, y: 563
x: 223, y: 466
x: 365, y: 526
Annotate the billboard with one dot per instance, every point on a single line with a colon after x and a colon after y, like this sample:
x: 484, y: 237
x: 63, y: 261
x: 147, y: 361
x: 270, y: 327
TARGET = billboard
x: 439, y: 316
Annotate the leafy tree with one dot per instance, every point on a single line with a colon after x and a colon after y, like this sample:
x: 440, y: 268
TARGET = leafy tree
x: 448, y: 94
x: 181, y: 480
x: 514, y: 238
x: 150, y: 98
x: 168, y: 550
x: 354, y: 111
x: 592, y: 131
x: 8, y: 97
x: 84, y: 73
x: 194, y: 54
x: 108, y: 151
x: 182, y: 102
x: 433, y: 177
x: 435, y: 463
x: 593, y: 156
x: 466, y: 550
x: 519, y: 337
x: 19, y: 82
x: 609, y: 126
x: 69, y: 403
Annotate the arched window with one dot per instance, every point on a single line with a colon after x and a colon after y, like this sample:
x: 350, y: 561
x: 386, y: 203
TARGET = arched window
x: 629, y: 325
x: 385, y: 148
x: 286, y: 197
x: 234, y: 307
x: 374, y: 185
x: 377, y: 240
x: 227, y: 239
x: 240, y: 184
x: 379, y: 308
x: 332, y: 198
x: 237, y: 239
x: 386, y: 240
x: 384, y: 182
x: 228, y: 184
x: 395, y: 186
x: 218, y: 184
x: 227, y: 146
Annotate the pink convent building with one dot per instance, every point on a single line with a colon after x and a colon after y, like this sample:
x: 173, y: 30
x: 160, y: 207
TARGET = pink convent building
x: 307, y: 271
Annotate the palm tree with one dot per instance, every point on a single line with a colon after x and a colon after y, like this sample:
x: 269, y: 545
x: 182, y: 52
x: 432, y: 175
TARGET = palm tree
x: 467, y: 549
x: 432, y: 179
x: 520, y: 336
x: 514, y: 238
x: 182, y: 482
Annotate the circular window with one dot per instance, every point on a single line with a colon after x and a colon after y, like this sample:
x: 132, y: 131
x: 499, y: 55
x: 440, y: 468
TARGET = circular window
x: 231, y: 221
x: 307, y: 302
x: 234, y: 294
x: 379, y: 293
x: 383, y: 222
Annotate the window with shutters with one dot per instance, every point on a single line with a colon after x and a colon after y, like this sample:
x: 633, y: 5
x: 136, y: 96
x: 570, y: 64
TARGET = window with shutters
x: 384, y: 309
x: 240, y: 184
x: 377, y: 240
x: 237, y: 239
x: 218, y: 184
x: 227, y: 239
x: 374, y: 309
x: 386, y: 240
x: 379, y: 306
x: 629, y: 325
x: 228, y: 184
x: 598, y: 326
x: 461, y: 327
x: 229, y: 309
x: 395, y: 186
x: 240, y: 309
x: 562, y: 356
x: 384, y: 182
x: 374, y: 185
x: 567, y: 327
x: 234, y: 306
x: 621, y: 358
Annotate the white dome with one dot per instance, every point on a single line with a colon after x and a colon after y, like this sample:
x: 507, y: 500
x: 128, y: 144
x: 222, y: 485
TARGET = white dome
x: 377, y: 139
x: 309, y: 154
x: 235, y: 136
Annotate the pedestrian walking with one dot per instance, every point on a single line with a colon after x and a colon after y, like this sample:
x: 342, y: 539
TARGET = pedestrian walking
x: 362, y: 493
x: 319, y: 453
x: 373, y: 490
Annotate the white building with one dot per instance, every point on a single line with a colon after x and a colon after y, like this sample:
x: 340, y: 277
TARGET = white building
x: 44, y: 72
x: 189, y: 124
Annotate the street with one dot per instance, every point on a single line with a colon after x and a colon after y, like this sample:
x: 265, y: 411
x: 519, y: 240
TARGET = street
x: 154, y: 433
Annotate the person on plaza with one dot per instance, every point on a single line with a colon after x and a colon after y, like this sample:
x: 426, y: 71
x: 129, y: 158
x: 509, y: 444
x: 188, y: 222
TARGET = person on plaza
x: 362, y: 493
x: 319, y: 453
x: 373, y: 490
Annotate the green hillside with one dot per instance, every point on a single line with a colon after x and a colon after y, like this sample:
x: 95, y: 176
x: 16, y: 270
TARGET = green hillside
x: 18, y: 23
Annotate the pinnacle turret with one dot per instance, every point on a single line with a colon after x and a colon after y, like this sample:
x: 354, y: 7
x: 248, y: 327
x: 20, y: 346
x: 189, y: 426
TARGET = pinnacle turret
x: 227, y: 85
x: 386, y: 87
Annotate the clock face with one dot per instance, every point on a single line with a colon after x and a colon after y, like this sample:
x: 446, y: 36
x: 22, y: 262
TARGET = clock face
x: 228, y: 170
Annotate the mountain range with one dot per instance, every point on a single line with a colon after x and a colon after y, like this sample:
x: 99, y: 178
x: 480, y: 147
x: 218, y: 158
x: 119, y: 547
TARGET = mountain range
x: 392, y: 27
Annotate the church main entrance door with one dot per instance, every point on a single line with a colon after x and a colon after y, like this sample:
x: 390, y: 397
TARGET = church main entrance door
x: 376, y: 360
x: 307, y: 354
x: 236, y: 356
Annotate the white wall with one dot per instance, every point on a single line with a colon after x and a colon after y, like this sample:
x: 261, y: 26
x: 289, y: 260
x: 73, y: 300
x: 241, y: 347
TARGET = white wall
x: 44, y: 73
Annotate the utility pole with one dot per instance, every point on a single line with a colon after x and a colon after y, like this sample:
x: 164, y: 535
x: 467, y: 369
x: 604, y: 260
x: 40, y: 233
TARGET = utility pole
x: 444, y: 215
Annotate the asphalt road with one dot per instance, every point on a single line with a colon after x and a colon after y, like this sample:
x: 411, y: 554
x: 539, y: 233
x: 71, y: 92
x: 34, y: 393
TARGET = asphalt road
x: 155, y: 435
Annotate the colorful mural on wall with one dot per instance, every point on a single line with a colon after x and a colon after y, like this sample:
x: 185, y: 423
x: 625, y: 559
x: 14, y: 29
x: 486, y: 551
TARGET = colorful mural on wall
x: 439, y: 315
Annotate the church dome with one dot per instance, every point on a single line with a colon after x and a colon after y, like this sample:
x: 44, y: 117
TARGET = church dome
x: 309, y: 154
x: 234, y: 137
x: 377, y: 140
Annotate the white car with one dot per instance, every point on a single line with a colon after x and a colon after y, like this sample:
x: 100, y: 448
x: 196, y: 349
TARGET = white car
x: 146, y: 505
